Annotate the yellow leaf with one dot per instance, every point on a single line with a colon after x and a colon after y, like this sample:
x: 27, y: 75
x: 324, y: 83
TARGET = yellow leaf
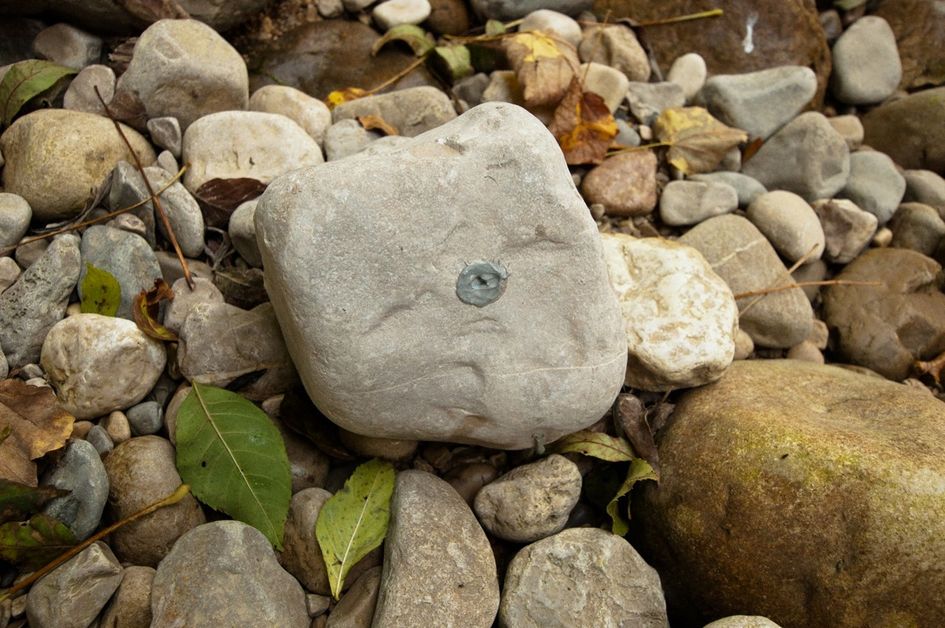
x: 341, y: 96
x: 697, y: 141
x: 539, y: 45
x: 583, y: 126
x: 543, y: 67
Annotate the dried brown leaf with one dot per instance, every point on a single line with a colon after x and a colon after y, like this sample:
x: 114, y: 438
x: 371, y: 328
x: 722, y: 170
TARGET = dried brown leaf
x: 630, y: 417
x: 147, y: 306
x: 377, y: 123
x: 219, y: 197
x: 544, y: 67
x: 37, y: 426
x: 583, y: 126
x: 698, y: 142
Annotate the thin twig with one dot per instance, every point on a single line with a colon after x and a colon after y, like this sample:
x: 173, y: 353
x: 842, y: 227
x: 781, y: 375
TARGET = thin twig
x: 407, y: 70
x: 93, y: 221
x: 682, y: 18
x: 170, y: 500
x: 155, y: 199
x: 804, y: 284
x: 632, y: 149
x: 790, y: 270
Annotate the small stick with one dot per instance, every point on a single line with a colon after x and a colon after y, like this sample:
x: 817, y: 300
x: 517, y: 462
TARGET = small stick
x: 790, y: 270
x: 170, y: 500
x: 682, y: 18
x: 407, y: 70
x: 802, y: 284
x: 155, y: 200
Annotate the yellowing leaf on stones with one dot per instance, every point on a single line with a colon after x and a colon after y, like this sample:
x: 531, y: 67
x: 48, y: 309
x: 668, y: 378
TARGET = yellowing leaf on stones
x: 595, y: 444
x: 639, y: 470
x: 34, y: 543
x: 419, y: 41
x: 24, y: 81
x: 456, y: 61
x: 101, y: 293
x: 341, y: 96
x: 697, y: 141
x: 583, y: 126
x: 354, y: 520
x: 543, y: 67
x: 234, y: 459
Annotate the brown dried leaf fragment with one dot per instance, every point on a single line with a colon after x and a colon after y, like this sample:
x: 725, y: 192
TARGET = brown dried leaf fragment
x: 147, y: 306
x: 219, y: 197
x: 630, y: 417
x: 583, y: 126
x: 37, y: 426
x: 698, y: 142
x: 544, y: 67
x: 377, y: 123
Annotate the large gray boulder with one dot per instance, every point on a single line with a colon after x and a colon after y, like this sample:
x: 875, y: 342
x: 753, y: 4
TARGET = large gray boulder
x: 451, y: 288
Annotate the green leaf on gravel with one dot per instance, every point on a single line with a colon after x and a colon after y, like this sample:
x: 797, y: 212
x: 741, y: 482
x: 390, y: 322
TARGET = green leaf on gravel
x: 595, y: 444
x: 495, y: 27
x: 639, y: 469
x: 34, y: 543
x: 234, y: 459
x: 26, y: 80
x: 101, y: 293
x: 455, y: 60
x: 354, y: 520
x: 412, y: 35
x: 19, y: 501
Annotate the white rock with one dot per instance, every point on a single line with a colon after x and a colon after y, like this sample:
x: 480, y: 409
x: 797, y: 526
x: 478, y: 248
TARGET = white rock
x: 680, y: 317
x: 393, y: 13
x: 80, y: 95
x: 251, y: 144
x: 100, y: 363
x: 789, y: 223
x: 689, y: 72
x: 605, y: 81
x: 309, y: 113
x: 242, y: 230
x: 553, y: 23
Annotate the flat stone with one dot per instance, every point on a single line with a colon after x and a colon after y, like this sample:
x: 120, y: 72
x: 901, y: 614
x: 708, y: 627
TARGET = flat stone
x: 847, y: 229
x: 887, y: 327
x: 81, y: 472
x: 145, y: 418
x: 38, y: 300
x: 438, y: 570
x: 760, y: 102
x: 553, y: 23
x: 242, y: 230
x: 918, y: 227
x: 251, y: 144
x: 225, y: 573
x: 411, y: 111
x: 100, y: 363
x: 680, y: 317
x: 747, y: 188
x: 301, y: 555
x: 647, y: 100
x: 689, y: 72
x: 691, y: 202
x: 866, y: 65
x: 615, y: 45
x: 131, y: 604
x: 478, y: 376
x: 166, y: 133
x: 185, y: 69
x: 924, y: 186
x: 624, y: 184
x: 850, y: 128
x: 72, y: 595
x: 15, y: 216
x: 530, y: 502
x: 839, y: 455
x: 744, y: 258
x: 789, y: 223
x: 582, y: 577
x: 911, y: 130
x: 81, y: 96
x: 67, y: 45
x: 126, y: 256
x: 55, y: 157
x: 141, y: 471
x: 807, y: 157
x: 309, y: 113
x: 875, y: 184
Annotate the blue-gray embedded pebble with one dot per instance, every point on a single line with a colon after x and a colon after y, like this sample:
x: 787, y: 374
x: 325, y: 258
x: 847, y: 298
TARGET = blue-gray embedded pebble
x: 925, y: 186
x: 145, y: 418
x: 79, y: 470
x: 38, y: 300
x: 789, y: 223
x: 513, y: 9
x: 647, y: 100
x: 126, y: 256
x: 15, y: 216
x: 100, y: 440
x: 918, y: 227
x: 760, y: 102
x: 470, y: 89
x: 691, y: 202
x: 866, y: 64
x: 747, y: 188
x: 875, y: 184
x: 807, y: 157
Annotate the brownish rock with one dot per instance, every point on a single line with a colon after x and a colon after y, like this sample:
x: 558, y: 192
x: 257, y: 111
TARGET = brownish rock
x: 915, y: 24
x: 750, y: 35
x: 448, y: 17
x: 911, y: 130
x: 324, y: 56
x: 625, y: 184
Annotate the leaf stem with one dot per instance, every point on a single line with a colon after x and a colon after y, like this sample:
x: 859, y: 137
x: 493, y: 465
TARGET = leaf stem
x: 682, y: 18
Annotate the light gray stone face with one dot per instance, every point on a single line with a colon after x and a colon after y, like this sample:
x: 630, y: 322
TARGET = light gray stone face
x: 647, y: 100
x: 81, y: 96
x: 553, y: 23
x: 606, y: 82
x: 393, y: 13
x: 925, y: 186
x: 866, y: 64
x: 347, y: 137
x: 689, y: 72
x: 225, y: 574
x: 15, y: 216
x: 691, y: 202
x: 411, y: 111
x: 185, y: 299
x: 126, y: 256
x: 918, y: 227
x: 875, y: 184
x: 439, y: 569
x: 67, y: 45
x: 242, y: 230
x: 847, y: 229
x: 760, y: 102
x: 747, y: 188
x: 81, y: 472
x: 615, y: 45
x: 309, y: 113
x: 582, y: 577
x: 363, y: 254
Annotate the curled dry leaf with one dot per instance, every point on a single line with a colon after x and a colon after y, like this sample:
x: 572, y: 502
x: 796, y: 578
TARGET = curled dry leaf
x: 37, y: 425
x: 543, y: 67
x: 341, y: 96
x: 418, y: 39
x: 219, y: 197
x: 147, y: 306
x: 583, y: 126
x: 639, y: 470
x: 377, y: 123
x: 697, y: 141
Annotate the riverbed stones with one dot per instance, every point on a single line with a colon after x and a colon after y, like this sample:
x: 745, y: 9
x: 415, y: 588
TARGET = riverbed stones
x: 847, y: 229
x: 309, y: 113
x: 100, y: 363
x: 301, y: 555
x: 691, y: 202
x: 79, y: 471
x: 553, y: 23
x: 514, y: 9
x: 411, y: 111
x: 615, y: 45
x: 130, y: 607
x: 438, y: 570
x: 15, y: 216
x: 911, y: 130
x: 624, y: 184
x: 127, y: 256
x: 918, y: 227
x: 839, y: 455
x: 680, y: 317
x: 866, y: 65
x: 185, y: 69
x: 689, y: 72
x: 743, y: 257
x: 55, y: 157
x: 225, y: 573
x: 875, y: 184
x: 500, y: 207
x: 582, y: 577
x: 789, y: 223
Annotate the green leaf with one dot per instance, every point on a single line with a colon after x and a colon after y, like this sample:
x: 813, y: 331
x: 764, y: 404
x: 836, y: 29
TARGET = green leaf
x: 34, y: 543
x: 26, y: 80
x: 413, y: 36
x: 354, y: 520
x: 596, y: 445
x: 846, y: 5
x: 494, y: 27
x: 101, y: 293
x: 455, y: 60
x: 234, y: 459
x: 639, y: 470
x: 19, y: 501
